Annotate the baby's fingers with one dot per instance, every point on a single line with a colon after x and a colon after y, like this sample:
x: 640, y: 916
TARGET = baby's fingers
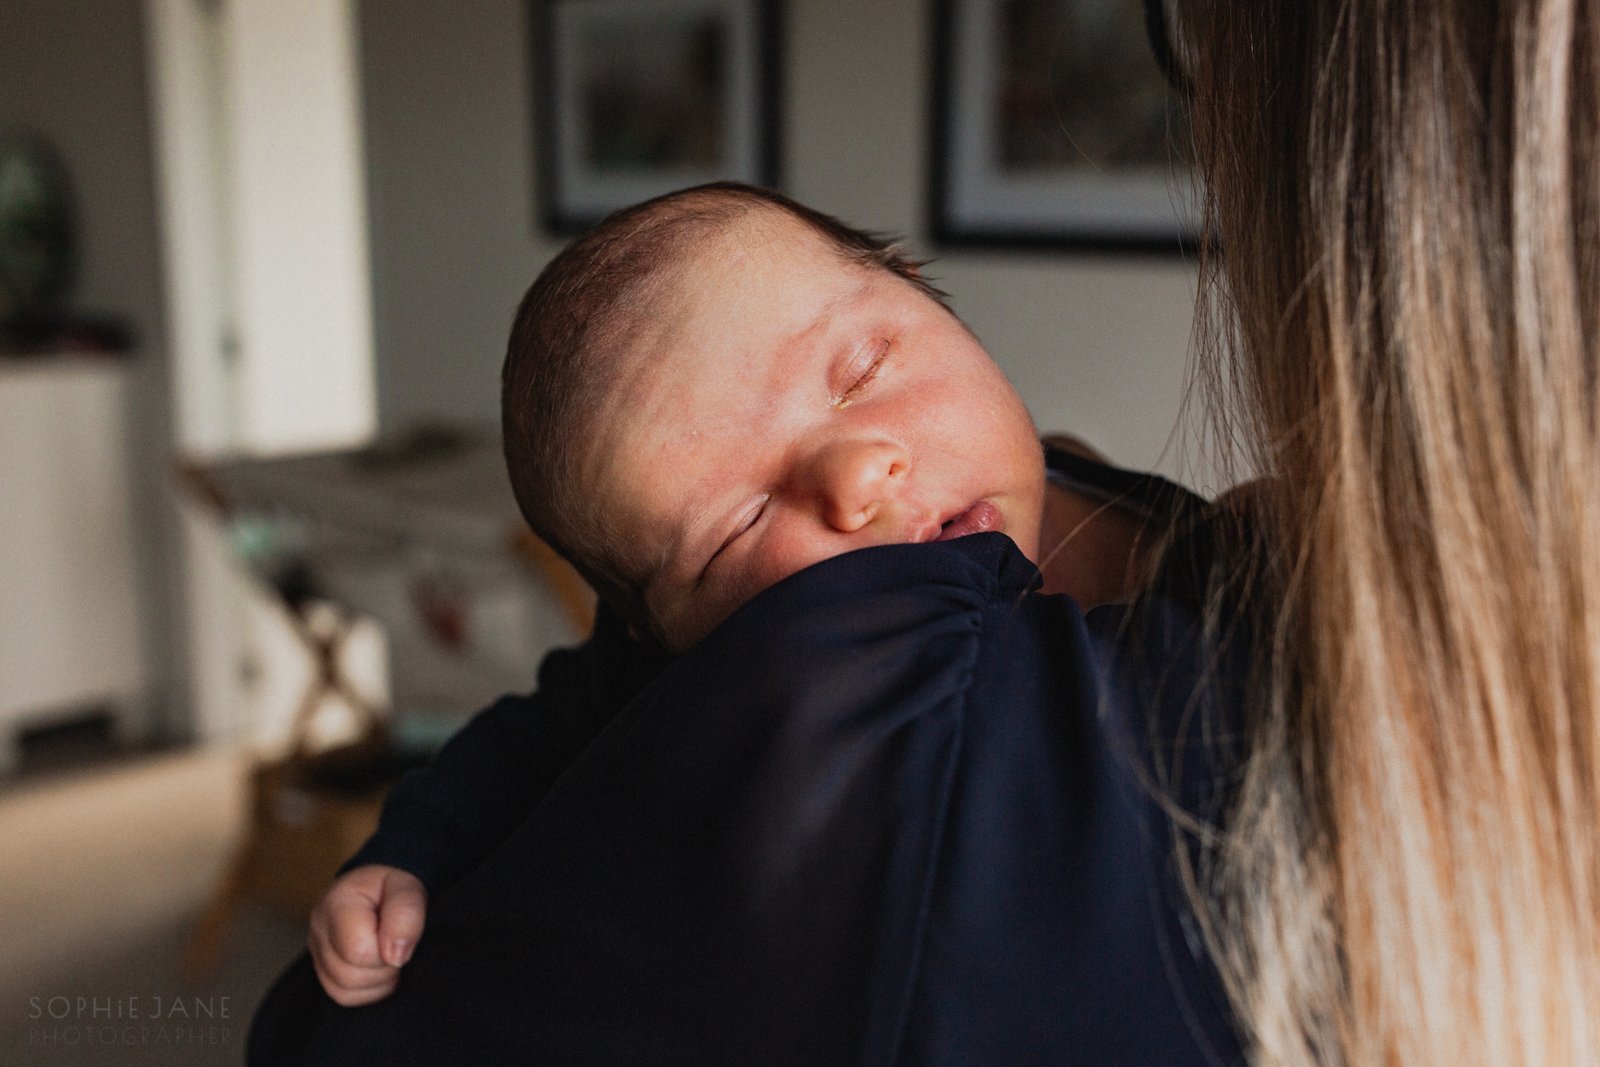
x: 353, y: 986
x: 360, y: 997
x: 350, y: 929
x: 400, y: 917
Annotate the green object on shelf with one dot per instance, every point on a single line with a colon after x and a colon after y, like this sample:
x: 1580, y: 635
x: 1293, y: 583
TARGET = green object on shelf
x: 38, y: 239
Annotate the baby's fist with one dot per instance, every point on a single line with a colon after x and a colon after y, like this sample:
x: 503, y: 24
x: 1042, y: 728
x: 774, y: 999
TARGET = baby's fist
x: 364, y: 931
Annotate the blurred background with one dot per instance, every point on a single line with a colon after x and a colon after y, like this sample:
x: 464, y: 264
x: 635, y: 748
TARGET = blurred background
x: 258, y: 259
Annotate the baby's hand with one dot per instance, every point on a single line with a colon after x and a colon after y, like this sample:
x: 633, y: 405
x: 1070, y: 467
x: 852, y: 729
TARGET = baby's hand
x: 364, y: 930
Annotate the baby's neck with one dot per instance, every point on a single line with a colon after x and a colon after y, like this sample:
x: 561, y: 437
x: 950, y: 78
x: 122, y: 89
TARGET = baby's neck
x: 1091, y: 551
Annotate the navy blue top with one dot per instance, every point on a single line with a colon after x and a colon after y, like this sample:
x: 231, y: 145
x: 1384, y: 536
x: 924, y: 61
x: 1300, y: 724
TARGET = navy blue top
x: 899, y: 809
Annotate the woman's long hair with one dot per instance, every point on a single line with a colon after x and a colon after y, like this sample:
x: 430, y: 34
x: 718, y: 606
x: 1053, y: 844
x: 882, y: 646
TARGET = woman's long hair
x: 1406, y: 198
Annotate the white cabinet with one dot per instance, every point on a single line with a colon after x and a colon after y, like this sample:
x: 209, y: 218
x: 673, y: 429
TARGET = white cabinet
x: 69, y: 604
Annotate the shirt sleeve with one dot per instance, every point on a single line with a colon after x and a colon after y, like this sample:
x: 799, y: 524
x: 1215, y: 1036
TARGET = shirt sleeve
x: 442, y: 819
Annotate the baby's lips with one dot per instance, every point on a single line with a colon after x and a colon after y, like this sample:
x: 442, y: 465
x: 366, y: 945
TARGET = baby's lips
x: 981, y: 517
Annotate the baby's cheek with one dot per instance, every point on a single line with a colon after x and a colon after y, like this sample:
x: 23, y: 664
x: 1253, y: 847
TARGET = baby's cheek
x: 736, y: 584
x: 778, y: 555
x: 791, y: 548
x: 771, y: 563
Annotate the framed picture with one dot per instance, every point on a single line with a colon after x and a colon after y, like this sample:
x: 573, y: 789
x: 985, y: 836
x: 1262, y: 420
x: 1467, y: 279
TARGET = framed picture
x: 1054, y: 126
x: 641, y: 97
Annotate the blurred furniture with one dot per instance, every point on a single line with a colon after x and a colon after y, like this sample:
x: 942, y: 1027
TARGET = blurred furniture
x: 69, y: 599
x: 420, y: 532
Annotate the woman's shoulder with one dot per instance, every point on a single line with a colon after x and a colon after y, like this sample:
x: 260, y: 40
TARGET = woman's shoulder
x: 901, y: 631
x: 978, y: 782
x: 884, y: 814
x: 868, y: 612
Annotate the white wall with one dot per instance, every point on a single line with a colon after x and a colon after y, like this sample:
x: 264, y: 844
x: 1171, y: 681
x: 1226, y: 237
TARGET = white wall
x: 74, y: 70
x: 450, y: 189
x: 1096, y: 345
x: 267, y: 253
x: 299, y: 225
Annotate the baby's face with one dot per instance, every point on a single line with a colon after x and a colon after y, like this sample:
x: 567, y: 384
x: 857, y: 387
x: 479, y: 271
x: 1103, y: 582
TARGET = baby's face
x: 782, y: 407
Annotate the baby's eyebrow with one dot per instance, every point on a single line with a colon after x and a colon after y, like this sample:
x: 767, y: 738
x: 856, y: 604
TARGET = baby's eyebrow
x: 824, y: 316
x: 849, y: 296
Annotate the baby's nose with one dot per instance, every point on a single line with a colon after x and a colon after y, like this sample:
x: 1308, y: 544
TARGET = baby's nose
x: 858, y: 478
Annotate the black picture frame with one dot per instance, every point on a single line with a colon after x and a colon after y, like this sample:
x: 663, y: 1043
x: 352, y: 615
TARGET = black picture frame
x: 635, y: 98
x: 1055, y: 127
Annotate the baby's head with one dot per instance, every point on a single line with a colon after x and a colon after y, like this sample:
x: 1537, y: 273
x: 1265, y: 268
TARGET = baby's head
x: 714, y: 389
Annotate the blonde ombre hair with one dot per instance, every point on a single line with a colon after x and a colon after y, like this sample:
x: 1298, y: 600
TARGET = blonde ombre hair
x: 1406, y: 198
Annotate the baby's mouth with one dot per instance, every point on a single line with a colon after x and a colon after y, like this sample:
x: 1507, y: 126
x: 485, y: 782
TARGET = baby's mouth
x: 979, y: 518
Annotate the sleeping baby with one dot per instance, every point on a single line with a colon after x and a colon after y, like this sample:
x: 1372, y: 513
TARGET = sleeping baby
x: 713, y: 390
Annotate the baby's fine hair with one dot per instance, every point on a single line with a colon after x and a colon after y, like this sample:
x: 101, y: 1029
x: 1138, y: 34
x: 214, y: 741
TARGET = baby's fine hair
x: 572, y: 329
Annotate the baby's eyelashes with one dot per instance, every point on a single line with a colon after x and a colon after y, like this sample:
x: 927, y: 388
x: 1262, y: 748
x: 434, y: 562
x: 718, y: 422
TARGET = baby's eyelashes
x: 863, y: 368
x: 747, y: 519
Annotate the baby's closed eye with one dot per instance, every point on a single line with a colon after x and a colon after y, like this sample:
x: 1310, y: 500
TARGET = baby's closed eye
x: 746, y: 519
x: 862, y: 369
